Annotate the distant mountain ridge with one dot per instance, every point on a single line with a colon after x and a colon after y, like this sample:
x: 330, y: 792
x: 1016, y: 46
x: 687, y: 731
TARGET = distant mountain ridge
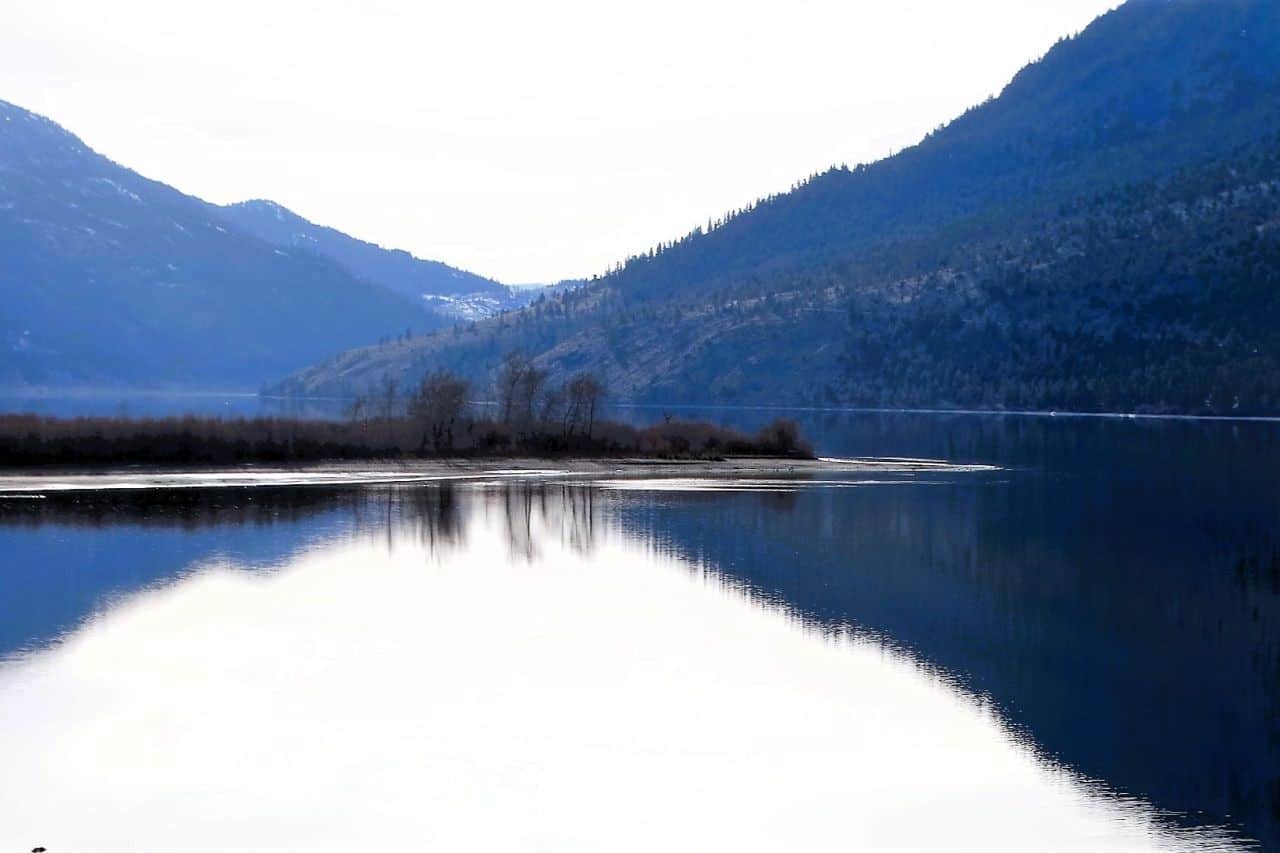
x: 449, y: 293
x: 112, y: 279
x: 1101, y: 235
x: 395, y: 269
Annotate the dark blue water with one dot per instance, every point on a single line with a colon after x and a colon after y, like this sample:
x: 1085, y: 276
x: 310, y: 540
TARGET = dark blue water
x: 159, y: 404
x: 1113, y: 594
x: 1116, y: 593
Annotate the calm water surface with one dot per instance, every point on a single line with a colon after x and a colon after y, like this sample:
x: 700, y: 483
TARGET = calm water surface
x: 1080, y: 652
x: 158, y: 404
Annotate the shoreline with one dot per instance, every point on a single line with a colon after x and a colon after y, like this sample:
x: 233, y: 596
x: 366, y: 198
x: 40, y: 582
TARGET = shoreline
x: 18, y: 483
x: 125, y: 394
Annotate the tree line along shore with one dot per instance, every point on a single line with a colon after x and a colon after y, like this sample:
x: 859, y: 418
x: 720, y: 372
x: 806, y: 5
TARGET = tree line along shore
x: 436, y: 419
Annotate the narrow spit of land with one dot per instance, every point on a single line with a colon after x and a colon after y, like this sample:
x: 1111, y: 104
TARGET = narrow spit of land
x: 31, y: 441
x: 744, y: 470
x: 43, y: 455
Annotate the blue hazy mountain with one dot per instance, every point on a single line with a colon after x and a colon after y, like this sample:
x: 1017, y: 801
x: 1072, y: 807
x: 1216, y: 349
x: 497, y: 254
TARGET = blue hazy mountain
x: 434, y: 285
x: 113, y: 279
x: 1101, y: 235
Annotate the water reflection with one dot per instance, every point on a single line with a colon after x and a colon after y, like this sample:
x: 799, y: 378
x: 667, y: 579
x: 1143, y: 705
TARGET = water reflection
x: 188, y: 509
x: 1129, y: 638
x: 532, y: 667
x: 64, y: 556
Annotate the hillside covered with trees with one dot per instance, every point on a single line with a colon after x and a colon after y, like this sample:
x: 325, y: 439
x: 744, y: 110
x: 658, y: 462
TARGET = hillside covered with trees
x: 1103, y: 235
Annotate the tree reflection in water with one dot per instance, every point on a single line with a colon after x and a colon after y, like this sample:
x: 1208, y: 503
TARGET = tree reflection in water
x: 1127, y: 633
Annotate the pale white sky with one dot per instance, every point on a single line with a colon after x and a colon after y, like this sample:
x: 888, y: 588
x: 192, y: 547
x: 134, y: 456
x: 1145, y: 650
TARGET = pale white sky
x: 525, y: 141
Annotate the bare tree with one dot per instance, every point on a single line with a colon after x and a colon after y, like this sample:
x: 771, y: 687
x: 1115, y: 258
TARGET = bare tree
x: 584, y: 392
x: 552, y: 406
x: 507, y: 384
x: 387, y: 397
x: 532, y: 383
x: 520, y: 386
x: 387, y: 407
x: 436, y: 407
x: 359, y: 409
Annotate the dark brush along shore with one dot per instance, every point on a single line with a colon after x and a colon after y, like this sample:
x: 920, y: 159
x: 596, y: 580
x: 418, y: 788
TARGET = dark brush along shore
x: 30, y: 440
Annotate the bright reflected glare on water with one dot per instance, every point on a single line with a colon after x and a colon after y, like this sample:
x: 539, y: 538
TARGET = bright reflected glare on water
x: 531, y: 676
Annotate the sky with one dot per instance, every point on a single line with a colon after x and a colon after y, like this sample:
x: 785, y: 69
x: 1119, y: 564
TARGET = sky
x: 529, y: 142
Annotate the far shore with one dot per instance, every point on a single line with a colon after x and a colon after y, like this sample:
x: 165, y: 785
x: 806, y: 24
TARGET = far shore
x: 32, y: 484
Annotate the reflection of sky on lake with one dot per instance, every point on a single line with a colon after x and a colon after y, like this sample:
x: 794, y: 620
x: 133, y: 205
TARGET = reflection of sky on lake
x: 509, y: 669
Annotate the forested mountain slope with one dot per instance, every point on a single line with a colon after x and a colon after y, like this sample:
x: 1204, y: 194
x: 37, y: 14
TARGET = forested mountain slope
x: 1102, y: 235
x: 1160, y: 297
x: 1146, y: 89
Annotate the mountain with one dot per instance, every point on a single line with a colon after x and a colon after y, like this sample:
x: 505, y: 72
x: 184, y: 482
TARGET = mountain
x: 435, y: 286
x: 113, y: 279
x: 1147, y: 88
x: 1101, y: 235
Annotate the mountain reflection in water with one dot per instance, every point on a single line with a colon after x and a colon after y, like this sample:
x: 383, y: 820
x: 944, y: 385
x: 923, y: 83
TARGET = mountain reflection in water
x: 557, y: 667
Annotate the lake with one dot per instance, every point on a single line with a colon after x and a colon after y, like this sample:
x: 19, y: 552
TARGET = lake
x: 114, y: 403
x: 1080, y: 651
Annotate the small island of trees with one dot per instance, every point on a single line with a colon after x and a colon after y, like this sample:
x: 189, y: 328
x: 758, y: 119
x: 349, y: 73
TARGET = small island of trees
x: 439, y: 418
